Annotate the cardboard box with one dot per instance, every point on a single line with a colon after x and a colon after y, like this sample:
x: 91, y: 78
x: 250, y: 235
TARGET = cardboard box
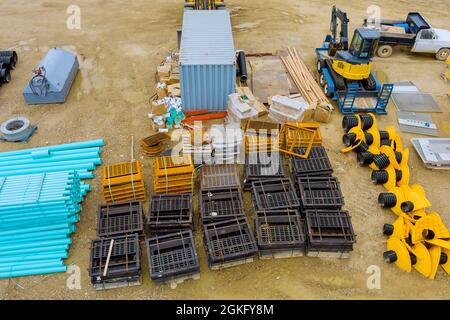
x: 159, y: 107
x: 161, y: 90
x: 164, y: 71
x: 174, y: 90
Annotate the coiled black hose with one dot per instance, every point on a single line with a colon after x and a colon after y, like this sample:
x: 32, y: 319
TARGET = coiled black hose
x: 407, y: 206
x: 398, y: 175
x: 390, y: 256
x: 387, y: 200
x: 388, y: 229
x: 368, y: 137
x: 384, y: 135
x: 366, y: 121
x: 381, y: 161
x: 444, y: 258
x: 349, y: 122
x: 364, y: 158
x: 379, y: 177
x: 363, y: 147
x: 385, y: 142
x: 398, y: 156
x: 349, y: 139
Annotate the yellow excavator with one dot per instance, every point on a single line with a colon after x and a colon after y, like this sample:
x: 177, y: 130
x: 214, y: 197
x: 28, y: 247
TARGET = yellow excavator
x: 204, y: 4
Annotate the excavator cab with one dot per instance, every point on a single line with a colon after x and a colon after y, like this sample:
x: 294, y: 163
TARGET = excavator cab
x: 364, y: 43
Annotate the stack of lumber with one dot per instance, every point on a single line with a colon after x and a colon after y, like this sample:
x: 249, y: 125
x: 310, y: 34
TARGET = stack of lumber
x: 173, y: 174
x: 153, y: 145
x: 304, y: 81
x: 123, y: 182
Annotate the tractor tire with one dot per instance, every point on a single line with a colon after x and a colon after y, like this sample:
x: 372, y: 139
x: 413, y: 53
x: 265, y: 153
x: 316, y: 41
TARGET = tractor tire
x: 322, y: 79
x: 443, y: 54
x: 385, y: 51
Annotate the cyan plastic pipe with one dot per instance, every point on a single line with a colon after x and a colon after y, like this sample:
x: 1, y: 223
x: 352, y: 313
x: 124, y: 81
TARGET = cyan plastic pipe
x: 35, y: 244
x: 30, y: 272
x: 40, y: 256
x: 34, y: 250
x: 81, y: 156
x: 37, y: 235
x: 60, y: 147
x: 53, y: 154
x: 81, y: 164
x: 35, y: 264
x: 34, y: 229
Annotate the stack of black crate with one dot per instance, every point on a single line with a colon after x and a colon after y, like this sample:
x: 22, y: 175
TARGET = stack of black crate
x: 278, y: 227
x: 171, y: 252
x: 227, y: 236
x: 329, y: 228
x: 115, y: 259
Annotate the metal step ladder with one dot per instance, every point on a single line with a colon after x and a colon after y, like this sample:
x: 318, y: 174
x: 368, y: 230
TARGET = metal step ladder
x: 346, y: 105
x: 383, y: 98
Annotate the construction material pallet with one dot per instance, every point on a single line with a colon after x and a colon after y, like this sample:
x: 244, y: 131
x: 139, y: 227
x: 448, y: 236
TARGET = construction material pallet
x: 170, y: 213
x: 221, y: 204
x: 320, y: 193
x: 173, y: 174
x: 317, y: 164
x: 123, y: 182
x: 172, y: 257
x: 119, y: 283
x: 120, y: 219
x: 228, y: 243
x: 219, y: 176
x: 279, y: 233
x: 329, y: 231
x: 261, y: 166
x: 119, y: 256
x: 275, y: 194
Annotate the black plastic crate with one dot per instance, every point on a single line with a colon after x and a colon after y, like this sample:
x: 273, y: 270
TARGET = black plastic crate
x: 329, y: 231
x: 170, y: 213
x: 317, y: 163
x: 120, y: 219
x: 124, y: 263
x: 221, y: 204
x: 229, y: 242
x: 320, y: 193
x: 278, y: 231
x: 257, y: 168
x: 172, y: 256
x: 275, y: 194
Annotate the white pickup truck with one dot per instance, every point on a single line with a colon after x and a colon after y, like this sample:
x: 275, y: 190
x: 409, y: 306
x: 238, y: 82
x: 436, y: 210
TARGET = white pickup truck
x: 415, y: 33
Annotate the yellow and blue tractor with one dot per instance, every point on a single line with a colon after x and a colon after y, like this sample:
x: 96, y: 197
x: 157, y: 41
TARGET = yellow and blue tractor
x: 345, y: 71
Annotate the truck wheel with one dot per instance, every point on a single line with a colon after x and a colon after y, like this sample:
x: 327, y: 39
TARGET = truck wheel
x: 319, y: 66
x: 384, y: 51
x: 443, y: 54
x: 322, y: 80
x: 326, y: 90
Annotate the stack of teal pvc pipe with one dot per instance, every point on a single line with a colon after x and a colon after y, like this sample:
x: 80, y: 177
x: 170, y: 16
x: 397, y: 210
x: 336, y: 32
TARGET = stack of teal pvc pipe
x: 40, y: 206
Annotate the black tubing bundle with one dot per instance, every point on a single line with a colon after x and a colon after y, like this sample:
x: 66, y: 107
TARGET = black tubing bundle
x: 8, y: 61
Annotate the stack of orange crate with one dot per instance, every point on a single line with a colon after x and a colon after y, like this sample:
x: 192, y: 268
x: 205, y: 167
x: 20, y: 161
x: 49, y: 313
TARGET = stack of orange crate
x: 173, y: 175
x: 123, y: 182
x: 301, y: 138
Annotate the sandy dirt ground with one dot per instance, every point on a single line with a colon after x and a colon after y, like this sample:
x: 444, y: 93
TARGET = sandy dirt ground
x: 119, y: 45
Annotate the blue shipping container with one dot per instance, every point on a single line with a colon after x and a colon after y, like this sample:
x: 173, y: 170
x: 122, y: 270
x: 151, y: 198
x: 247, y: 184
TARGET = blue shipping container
x: 207, y: 60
